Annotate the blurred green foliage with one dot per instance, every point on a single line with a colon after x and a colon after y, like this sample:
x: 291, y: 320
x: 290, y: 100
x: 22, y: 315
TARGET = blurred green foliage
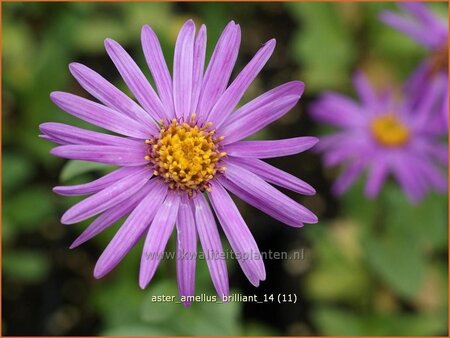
x: 376, y: 267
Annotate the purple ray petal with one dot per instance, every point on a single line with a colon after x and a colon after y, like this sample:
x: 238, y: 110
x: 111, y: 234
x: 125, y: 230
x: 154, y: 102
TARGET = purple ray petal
x: 431, y: 174
x: 52, y: 139
x: 73, y: 135
x: 258, y: 119
x: 97, y: 185
x: 274, y: 175
x: 365, y: 90
x: 378, y: 173
x: 158, y: 67
x: 99, y: 115
x: 112, y: 215
x: 238, y: 234
x: 411, y: 28
x: 198, y: 68
x: 337, y: 110
x: 212, y: 247
x: 107, y: 198
x: 349, y: 175
x: 420, y: 11
x: 269, y: 149
x: 287, y: 89
x: 431, y: 96
x: 110, y: 95
x: 282, y: 207
x: 186, y: 249
x: 135, y: 80
x: 131, y: 231
x: 183, y: 69
x: 120, y: 156
x: 254, y: 201
x: 434, y: 151
x: 410, y: 183
x: 157, y: 237
x: 231, y: 97
x: 219, y: 68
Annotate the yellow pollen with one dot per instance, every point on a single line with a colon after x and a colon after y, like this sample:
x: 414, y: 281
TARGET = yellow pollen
x: 185, y: 155
x: 389, y: 131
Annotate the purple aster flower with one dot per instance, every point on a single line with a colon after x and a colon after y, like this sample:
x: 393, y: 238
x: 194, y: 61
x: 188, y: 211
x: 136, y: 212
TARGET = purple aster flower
x: 383, y: 136
x: 430, y: 31
x: 180, y: 147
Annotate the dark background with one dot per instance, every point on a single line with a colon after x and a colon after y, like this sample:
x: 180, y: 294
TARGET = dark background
x: 362, y: 274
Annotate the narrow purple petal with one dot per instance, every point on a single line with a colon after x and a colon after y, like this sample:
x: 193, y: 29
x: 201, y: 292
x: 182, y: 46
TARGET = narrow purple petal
x: 112, y: 215
x: 365, y: 90
x: 267, y: 197
x: 99, y: 115
x: 157, y: 237
x: 269, y: 149
x: 183, y: 70
x: 135, y: 80
x: 411, y: 28
x: 110, y: 95
x: 52, y: 139
x: 107, y: 198
x: 158, y: 67
x: 97, y: 185
x: 350, y: 174
x: 378, y: 173
x: 274, y: 175
x: 120, y: 156
x: 420, y: 11
x: 219, y: 68
x: 231, y: 97
x: 258, y: 119
x: 198, y: 68
x: 186, y: 249
x: 337, y: 110
x: 431, y: 96
x: 73, y: 135
x: 287, y: 89
x: 238, y: 234
x: 131, y: 231
x: 435, y: 151
x: 431, y: 174
x: 212, y: 247
x: 254, y: 201
x: 410, y: 183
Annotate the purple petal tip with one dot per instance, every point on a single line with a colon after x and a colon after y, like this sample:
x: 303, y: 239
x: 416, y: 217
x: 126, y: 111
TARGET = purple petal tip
x: 98, y: 272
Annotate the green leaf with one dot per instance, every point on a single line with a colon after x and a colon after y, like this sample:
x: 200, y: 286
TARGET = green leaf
x: 135, y: 330
x: 424, y: 223
x: 398, y: 262
x: 25, y: 265
x: 323, y: 46
x: 339, y: 273
x: 154, y: 310
x: 74, y: 168
x: 28, y: 209
x: 339, y: 322
x: 17, y: 170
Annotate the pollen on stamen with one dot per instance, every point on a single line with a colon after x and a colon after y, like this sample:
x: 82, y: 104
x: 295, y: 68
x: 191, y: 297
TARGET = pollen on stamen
x: 186, y: 155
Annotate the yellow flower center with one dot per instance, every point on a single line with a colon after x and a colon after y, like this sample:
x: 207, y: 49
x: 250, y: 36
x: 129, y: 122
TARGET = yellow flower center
x: 389, y: 131
x: 185, y: 155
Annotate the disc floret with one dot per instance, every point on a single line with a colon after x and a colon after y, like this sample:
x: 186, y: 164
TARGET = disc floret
x: 186, y: 155
x: 390, y: 131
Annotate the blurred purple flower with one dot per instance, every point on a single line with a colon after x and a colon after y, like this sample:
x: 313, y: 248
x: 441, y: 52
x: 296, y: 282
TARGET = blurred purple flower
x: 383, y: 136
x: 175, y: 145
x: 430, y: 31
